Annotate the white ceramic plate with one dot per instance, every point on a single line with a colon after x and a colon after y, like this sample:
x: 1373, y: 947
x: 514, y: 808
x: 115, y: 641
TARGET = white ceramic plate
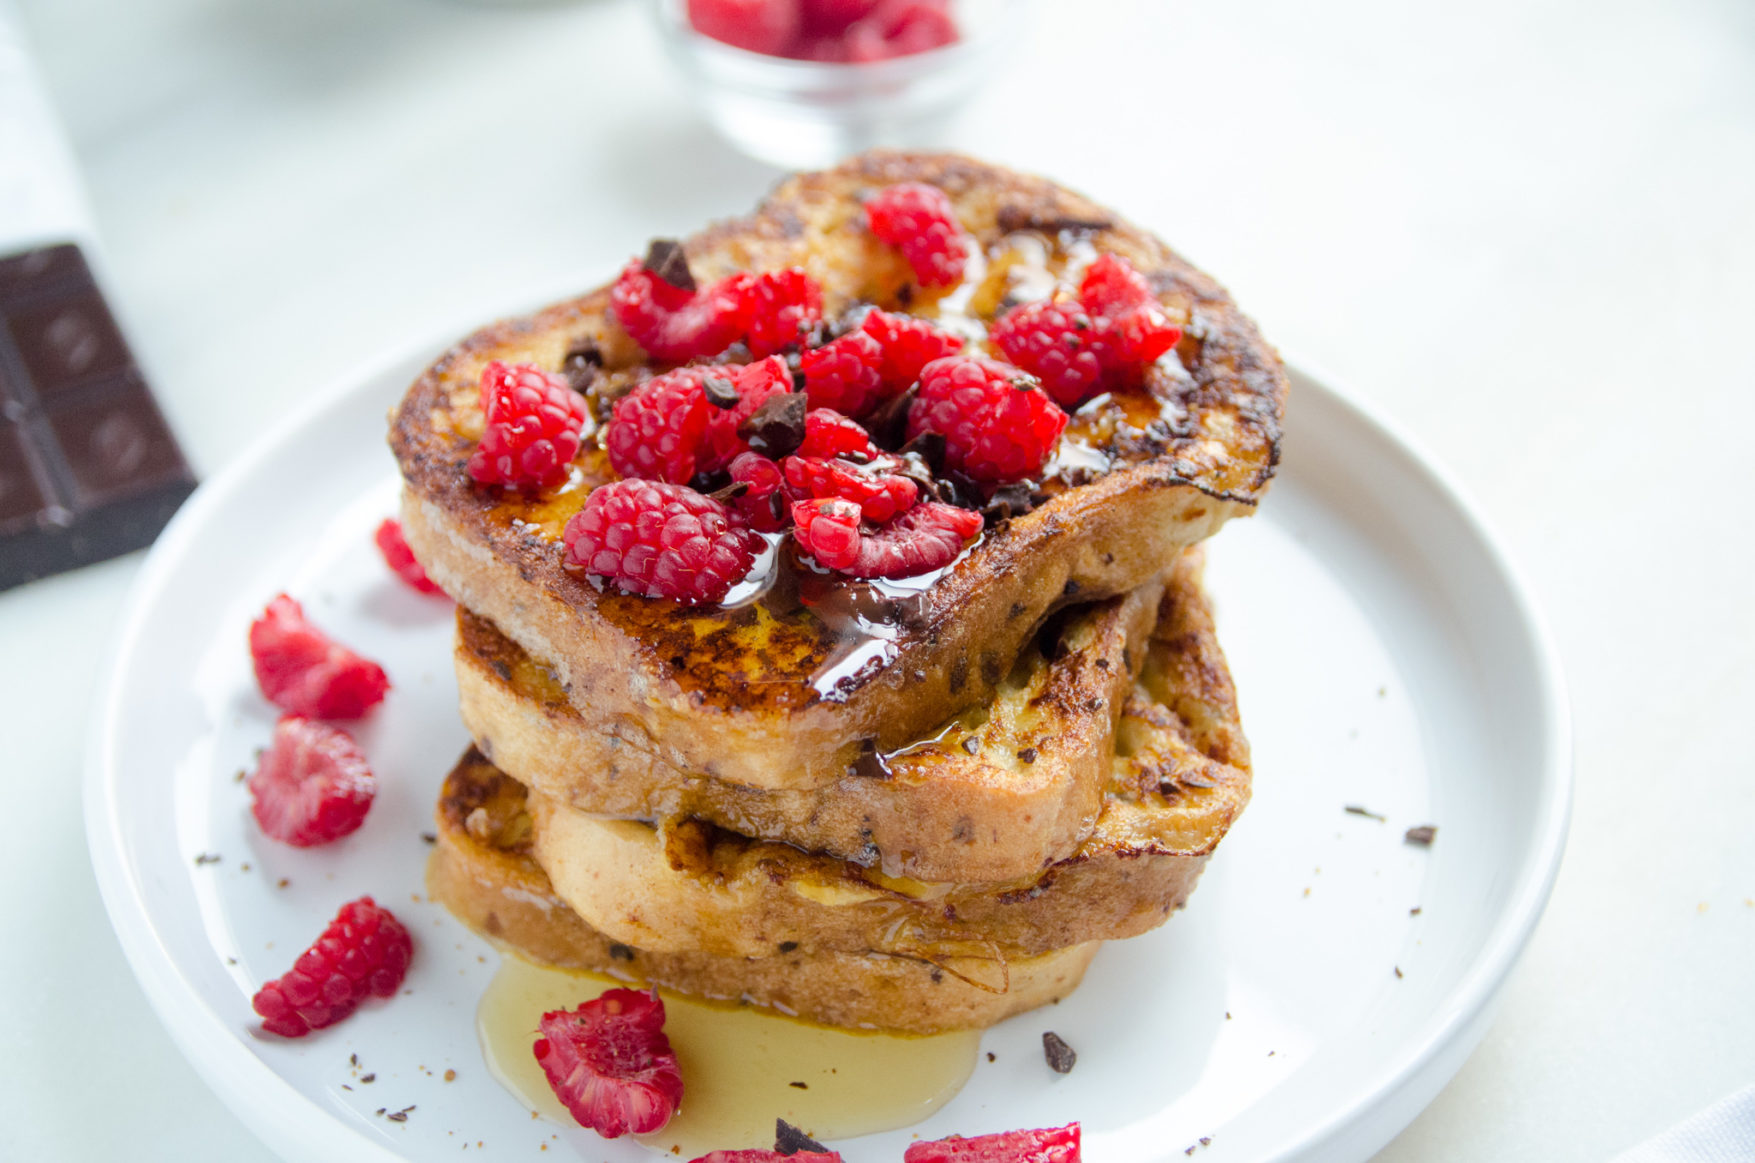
x: 1386, y: 657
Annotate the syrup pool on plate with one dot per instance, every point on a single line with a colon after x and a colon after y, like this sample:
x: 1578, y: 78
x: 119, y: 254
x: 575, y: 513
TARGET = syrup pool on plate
x: 741, y: 1066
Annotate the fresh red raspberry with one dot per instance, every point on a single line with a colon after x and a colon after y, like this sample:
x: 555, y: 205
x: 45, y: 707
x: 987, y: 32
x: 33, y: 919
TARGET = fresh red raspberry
x: 677, y: 323
x: 828, y: 530
x: 1051, y: 1145
x: 998, y: 427
x: 1140, y: 331
x: 533, y: 424
x: 764, y: 26
x: 927, y: 537
x: 763, y: 503
x: 784, y: 306
x: 400, y: 558
x: 1112, y: 286
x: 312, y: 785
x: 610, y: 1062
x: 1059, y: 343
x: 908, y: 344
x: 1141, y: 336
x: 363, y: 953
x: 655, y: 431
x: 302, y: 671
x: 898, y: 28
x: 920, y: 221
x: 753, y: 383
x: 880, y: 495
x: 827, y: 433
x: 661, y: 541
x: 845, y: 374
x: 830, y: 18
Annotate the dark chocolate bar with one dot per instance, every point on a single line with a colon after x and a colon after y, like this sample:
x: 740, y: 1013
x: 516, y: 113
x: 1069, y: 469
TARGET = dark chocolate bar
x: 88, y: 468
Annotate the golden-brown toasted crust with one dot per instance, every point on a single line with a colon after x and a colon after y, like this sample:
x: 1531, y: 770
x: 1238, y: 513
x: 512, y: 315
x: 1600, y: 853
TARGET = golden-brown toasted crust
x: 777, y: 695
x: 481, y: 870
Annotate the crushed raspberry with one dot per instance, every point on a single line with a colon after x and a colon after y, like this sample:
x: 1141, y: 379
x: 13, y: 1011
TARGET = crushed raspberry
x: 610, y: 1062
x: 312, y: 785
x: 363, y: 953
x: 828, y: 530
x: 400, y: 558
x: 533, y: 424
x: 660, y: 540
x: 920, y: 221
x: 655, y: 431
x: 908, y: 344
x: 678, y: 323
x: 301, y: 671
x: 762, y: 504
x: 998, y: 427
x: 827, y: 433
x: 1051, y: 1145
x: 927, y: 537
x: 764, y: 26
x: 880, y: 495
x: 784, y: 307
x: 1060, y: 344
x: 753, y: 384
x: 845, y: 374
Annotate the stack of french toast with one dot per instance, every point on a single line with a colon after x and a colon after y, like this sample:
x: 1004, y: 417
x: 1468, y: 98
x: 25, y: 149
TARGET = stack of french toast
x: 910, y: 790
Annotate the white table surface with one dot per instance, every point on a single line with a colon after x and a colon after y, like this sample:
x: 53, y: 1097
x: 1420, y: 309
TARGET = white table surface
x: 1526, y: 230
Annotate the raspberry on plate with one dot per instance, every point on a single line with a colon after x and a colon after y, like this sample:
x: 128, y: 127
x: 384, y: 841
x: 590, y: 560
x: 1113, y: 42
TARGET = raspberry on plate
x: 908, y: 345
x: 676, y: 320
x: 1060, y: 344
x: 784, y: 307
x: 400, y: 558
x: 1050, y: 1145
x: 300, y: 670
x: 312, y: 785
x: 764, y: 26
x: 845, y: 374
x: 997, y: 425
x: 660, y: 540
x: 827, y: 433
x: 363, y: 953
x: 920, y: 221
x: 655, y: 431
x: 611, y: 1064
x: 533, y: 423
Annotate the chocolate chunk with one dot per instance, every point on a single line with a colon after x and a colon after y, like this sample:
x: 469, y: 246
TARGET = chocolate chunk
x: 665, y: 258
x: 889, y: 424
x: 789, y: 1140
x: 1027, y: 755
x: 1422, y: 836
x: 581, y: 364
x: 1061, y: 1057
x: 929, y: 447
x: 776, y: 429
x: 720, y: 392
x: 1013, y: 500
x: 871, y: 763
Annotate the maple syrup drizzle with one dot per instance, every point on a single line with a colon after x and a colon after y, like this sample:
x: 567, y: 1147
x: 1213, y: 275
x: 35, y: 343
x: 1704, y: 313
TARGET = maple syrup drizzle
x: 739, y: 1065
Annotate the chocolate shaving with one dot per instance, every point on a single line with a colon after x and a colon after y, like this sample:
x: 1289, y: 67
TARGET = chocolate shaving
x: 1061, y: 1057
x: 429, y: 837
x: 207, y: 858
x: 730, y: 492
x: 1422, y: 836
x: 789, y: 1140
x: 776, y: 429
x: 1357, y: 810
x: 720, y: 392
x: 665, y: 258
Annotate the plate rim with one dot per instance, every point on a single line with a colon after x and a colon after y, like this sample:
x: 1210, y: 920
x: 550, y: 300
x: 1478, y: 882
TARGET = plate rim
x: 277, y: 1113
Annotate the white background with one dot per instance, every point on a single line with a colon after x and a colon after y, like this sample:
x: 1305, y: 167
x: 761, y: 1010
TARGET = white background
x: 1526, y: 230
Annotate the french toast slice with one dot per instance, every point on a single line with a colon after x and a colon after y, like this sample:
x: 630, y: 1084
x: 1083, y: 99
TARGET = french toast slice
x: 482, y: 871
x: 787, y: 689
x: 1179, y: 776
x: 997, y: 794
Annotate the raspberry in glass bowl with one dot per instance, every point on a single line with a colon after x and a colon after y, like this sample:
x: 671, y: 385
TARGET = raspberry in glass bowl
x: 802, y: 83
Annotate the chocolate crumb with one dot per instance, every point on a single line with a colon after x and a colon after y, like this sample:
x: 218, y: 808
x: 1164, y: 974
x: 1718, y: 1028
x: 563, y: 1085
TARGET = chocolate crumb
x: 1206, y: 1140
x: 353, y: 1059
x: 1028, y: 755
x: 776, y: 429
x: 1061, y: 1057
x: 1398, y: 973
x: 244, y: 867
x: 369, y: 1077
x: 380, y: 1110
x: 990, y: 1057
x: 429, y: 837
x: 972, y: 745
x: 620, y: 952
x: 1356, y: 810
x: 450, y: 1076
x: 282, y: 882
x: 1422, y: 836
x: 720, y: 392
x: 207, y: 858
x: 397, y: 1117
x: 1414, y: 912
x: 1190, y: 1150
x: 665, y: 258
x: 241, y: 776
x: 231, y: 960
x: 798, y: 1086
x: 345, y: 1086
x: 789, y: 1140
x: 1227, y: 1015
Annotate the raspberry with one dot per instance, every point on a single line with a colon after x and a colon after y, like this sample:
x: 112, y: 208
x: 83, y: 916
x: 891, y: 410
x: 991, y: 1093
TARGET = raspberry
x: 678, y: 323
x: 762, y: 503
x: 764, y: 26
x: 898, y: 28
x: 1140, y: 330
x: 301, y: 671
x: 927, y: 537
x: 828, y: 530
x: 1051, y: 1145
x: 831, y: 17
x: 763, y: 1155
x: 1141, y: 336
x: 879, y: 495
x: 753, y: 384
x: 1111, y: 286
x: 661, y: 541
x: 908, y: 344
x: 655, y: 431
x: 363, y: 953
x: 312, y: 785
x: 919, y: 221
x: 997, y: 426
x: 1060, y: 344
x: 784, y: 306
x: 533, y: 425
x: 610, y: 1062
x: 845, y: 374
x: 400, y: 558
x: 828, y: 433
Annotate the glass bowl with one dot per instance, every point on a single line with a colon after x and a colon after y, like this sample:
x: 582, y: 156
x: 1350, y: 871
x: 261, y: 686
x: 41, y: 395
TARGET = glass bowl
x: 810, y: 114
